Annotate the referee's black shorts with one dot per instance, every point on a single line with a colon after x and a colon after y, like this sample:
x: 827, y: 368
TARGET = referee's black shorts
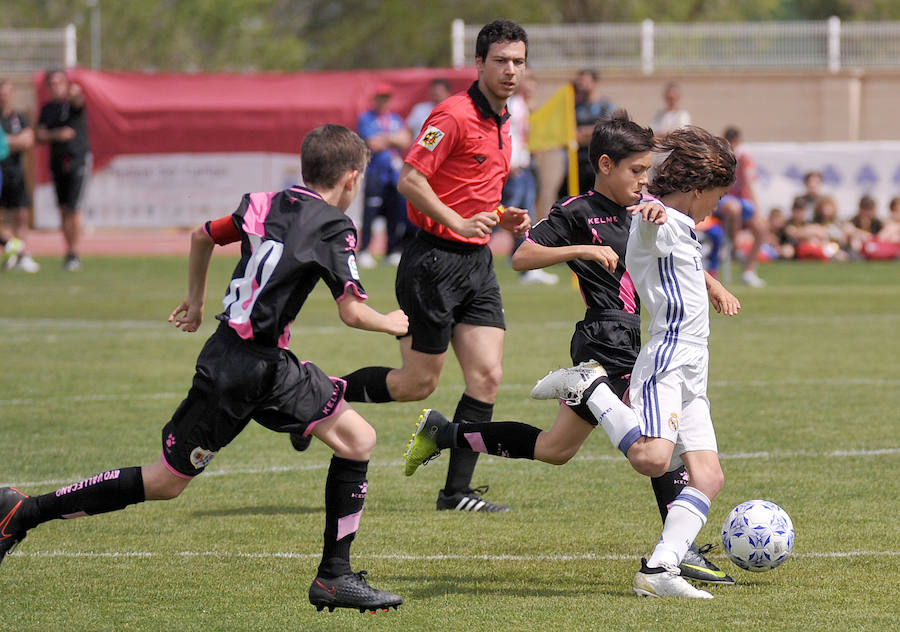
x: 612, y: 338
x: 443, y: 283
x: 235, y: 381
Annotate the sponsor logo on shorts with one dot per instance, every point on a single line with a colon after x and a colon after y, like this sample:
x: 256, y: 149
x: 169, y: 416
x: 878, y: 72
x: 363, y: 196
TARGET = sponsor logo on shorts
x: 673, y: 421
x: 200, y: 457
x: 431, y: 137
x: 354, y: 270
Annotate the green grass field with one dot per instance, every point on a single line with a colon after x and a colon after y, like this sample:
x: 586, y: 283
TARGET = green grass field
x: 805, y: 388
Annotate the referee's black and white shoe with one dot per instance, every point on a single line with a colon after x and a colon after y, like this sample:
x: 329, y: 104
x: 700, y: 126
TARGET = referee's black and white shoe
x: 470, y: 500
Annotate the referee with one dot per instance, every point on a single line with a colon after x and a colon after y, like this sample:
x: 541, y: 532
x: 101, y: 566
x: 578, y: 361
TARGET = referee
x: 453, y: 179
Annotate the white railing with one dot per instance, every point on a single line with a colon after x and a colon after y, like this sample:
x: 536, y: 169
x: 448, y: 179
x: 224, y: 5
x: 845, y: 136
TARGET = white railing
x: 30, y: 50
x: 650, y: 46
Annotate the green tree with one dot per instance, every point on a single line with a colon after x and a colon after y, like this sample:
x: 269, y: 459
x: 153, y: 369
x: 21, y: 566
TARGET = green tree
x: 255, y: 35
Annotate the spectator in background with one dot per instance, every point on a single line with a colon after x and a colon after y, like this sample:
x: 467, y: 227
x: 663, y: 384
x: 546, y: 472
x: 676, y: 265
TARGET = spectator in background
x: 520, y: 190
x: 802, y: 239
x: 864, y: 225
x: 14, y: 199
x: 63, y: 126
x: 771, y: 248
x: 812, y: 182
x: 738, y: 209
x: 588, y: 110
x: 388, y: 138
x: 438, y: 90
x: 827, y: 230
x: 891, y: 231
x: 671, y: 116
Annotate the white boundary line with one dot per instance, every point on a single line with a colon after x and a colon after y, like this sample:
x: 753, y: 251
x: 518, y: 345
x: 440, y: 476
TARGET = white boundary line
x: 554, y: 557
x: 493, y: 460
x: 116, y: 397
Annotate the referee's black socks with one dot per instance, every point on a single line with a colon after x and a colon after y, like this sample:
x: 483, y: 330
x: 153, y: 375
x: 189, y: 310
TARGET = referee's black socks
x: 368, y: 384
x: 462, y: 461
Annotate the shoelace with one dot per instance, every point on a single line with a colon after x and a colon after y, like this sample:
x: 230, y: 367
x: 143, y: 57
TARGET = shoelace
x: 433, y: 456
x: 706, y: 548
x: 480, y: 491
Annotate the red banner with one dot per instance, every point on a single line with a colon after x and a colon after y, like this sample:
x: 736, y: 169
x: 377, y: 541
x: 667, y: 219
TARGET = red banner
x: 131, y: 113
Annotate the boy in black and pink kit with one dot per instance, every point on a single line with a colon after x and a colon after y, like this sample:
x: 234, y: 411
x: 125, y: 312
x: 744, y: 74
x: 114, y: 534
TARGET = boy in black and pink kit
x: 589, y: 233
x: 289, y: 241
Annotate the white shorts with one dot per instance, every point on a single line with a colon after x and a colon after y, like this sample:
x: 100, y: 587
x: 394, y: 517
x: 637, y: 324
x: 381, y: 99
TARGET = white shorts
x: 668, y: 393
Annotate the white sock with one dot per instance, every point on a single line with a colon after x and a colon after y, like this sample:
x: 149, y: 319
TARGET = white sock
x: 618, y: 420
x: 686, y: 517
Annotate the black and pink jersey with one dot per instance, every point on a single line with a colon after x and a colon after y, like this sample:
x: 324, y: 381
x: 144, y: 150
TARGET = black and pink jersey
x: 289, y: 240
x: 592, y: 219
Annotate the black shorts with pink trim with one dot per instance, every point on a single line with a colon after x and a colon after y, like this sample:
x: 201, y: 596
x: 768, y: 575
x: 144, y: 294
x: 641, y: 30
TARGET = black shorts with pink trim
x: 238, y: 380
x: 612, y: 338
x: 443, y: 283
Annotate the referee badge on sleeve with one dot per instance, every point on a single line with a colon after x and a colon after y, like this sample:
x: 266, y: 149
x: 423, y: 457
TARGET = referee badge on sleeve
x: 431, y: 137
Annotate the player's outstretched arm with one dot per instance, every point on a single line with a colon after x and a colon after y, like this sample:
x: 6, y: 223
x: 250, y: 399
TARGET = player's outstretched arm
x: 189, y: 314
x: 531, y: 255
x: 355, y: 313
x: 722, y: 300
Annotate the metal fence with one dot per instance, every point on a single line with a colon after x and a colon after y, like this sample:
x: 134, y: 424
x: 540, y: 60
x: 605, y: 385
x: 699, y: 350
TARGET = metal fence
x: 30, y: 50
x: 649, y: 47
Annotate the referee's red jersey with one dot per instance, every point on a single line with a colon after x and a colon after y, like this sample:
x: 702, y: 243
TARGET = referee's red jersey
x: 464, y: 150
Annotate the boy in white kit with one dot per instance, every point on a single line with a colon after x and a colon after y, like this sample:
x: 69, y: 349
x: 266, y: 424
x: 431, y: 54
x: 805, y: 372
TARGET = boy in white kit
x: 669, y: 415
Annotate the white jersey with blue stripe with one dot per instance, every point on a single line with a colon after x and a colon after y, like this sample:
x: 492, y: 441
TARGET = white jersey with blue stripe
x: 666, y: 266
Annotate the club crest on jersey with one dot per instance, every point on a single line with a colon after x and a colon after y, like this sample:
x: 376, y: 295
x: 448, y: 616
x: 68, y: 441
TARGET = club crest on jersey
x: 431, y: 137
x: 673, y: 421
x: 201, y: 457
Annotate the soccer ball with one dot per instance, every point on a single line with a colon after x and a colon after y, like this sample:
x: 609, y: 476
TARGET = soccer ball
x: 758, y: 535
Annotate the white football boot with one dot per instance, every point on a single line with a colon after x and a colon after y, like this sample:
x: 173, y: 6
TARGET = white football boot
x: 664, y: 581
x: 568, y: 384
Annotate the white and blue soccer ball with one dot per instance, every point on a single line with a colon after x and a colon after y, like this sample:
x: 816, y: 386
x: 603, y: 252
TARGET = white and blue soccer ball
x: 758, y: 535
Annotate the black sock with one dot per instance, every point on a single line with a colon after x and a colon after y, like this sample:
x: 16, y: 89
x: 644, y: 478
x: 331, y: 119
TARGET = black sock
x: 463, y: 460
x: 104, y: 492
x: 345, y: 493
x: 582, y: 409
x: 509, y: 439
x: 667, y: 487
x: 368, y: 384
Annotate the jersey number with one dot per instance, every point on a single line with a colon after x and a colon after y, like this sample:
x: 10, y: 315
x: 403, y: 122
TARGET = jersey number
x: 243, y: 291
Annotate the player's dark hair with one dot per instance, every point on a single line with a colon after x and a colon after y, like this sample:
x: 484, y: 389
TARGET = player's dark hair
x: 619, y: 137
x: 330, y: 151
x: 697, y: 161
x: 499, y: 31
x: 867, y: 201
